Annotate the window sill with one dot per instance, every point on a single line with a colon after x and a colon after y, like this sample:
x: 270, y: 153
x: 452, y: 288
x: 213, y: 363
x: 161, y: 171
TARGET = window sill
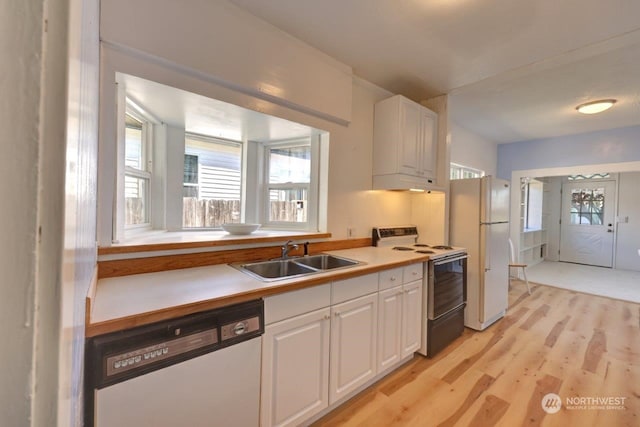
x: 154, y: 241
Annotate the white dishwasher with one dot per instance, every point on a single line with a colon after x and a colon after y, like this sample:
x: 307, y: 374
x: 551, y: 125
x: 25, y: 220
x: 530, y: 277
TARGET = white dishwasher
x: 200, y: 370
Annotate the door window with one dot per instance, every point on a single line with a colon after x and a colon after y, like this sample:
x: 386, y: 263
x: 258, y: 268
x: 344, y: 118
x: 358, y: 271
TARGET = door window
x: 587, y: 206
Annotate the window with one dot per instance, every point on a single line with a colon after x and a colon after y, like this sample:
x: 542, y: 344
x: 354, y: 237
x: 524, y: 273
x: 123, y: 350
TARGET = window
x: 457, y: 171
x: 176, y: 172
x: 587, y: 206
x: 288, y: 183
x: 212, y: 182
x: 532, y: 198
x: 136, y: 174
x: 591, y: 176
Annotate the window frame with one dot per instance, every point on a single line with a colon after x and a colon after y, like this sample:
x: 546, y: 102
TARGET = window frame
x: 458, y: 169
x: 222, y: 141
x: 146, y: 141
x: 532, y: 205
x: 311, y: 224
x: 126, y: 105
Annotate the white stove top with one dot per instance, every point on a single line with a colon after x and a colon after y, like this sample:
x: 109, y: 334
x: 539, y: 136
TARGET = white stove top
x: 405, y: 238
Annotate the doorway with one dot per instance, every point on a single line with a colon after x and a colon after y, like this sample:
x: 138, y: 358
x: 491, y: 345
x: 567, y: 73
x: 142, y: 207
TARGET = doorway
x: 587, y: 222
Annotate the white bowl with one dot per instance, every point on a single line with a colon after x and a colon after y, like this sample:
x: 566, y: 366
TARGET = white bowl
x: 240, y: 228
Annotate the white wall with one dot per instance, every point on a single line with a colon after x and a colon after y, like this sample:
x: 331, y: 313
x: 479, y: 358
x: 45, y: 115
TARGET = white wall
x: 628, y: 234
x: 35, y: 305
x: 20, y: 121
x: 472, y: 150
x: 79, y: 259
x: 229, y: 46
x: 352, y: 203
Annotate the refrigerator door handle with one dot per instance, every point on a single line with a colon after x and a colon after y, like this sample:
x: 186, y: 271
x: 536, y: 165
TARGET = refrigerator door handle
x: 485, y: 238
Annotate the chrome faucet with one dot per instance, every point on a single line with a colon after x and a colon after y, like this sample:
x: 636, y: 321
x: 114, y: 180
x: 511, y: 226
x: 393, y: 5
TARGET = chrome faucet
x: 286, y: 248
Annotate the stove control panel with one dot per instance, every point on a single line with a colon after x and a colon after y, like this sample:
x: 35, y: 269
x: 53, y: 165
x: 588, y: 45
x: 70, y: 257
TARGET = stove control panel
x: 386, y: 233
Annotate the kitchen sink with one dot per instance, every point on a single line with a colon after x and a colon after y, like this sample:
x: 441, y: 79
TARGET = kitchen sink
x: 326, y: 262
x: 276, y: 269
x: 294, y: 267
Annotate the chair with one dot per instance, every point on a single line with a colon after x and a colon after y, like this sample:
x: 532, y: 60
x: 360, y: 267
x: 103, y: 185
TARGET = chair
x: 513, y: 264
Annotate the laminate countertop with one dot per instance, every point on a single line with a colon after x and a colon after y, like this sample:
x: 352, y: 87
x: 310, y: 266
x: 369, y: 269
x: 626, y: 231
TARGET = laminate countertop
x: 124, y: 302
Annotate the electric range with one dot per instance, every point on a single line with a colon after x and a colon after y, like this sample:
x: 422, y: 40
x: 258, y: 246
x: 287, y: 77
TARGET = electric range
x: 445, y: 285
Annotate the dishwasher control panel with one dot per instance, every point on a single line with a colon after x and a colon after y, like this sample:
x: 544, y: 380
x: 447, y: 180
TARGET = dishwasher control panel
x: 235, y: 329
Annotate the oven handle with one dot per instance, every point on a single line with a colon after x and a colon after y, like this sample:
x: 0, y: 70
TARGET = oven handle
x: 448, y: 260
x: 457, y: 307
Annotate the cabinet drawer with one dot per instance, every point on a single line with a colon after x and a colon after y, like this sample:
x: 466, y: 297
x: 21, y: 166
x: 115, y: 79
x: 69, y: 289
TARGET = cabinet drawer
x: 412, y: 272
x: 289, y: 304
x: 390, y: 278
x: 344, y: 290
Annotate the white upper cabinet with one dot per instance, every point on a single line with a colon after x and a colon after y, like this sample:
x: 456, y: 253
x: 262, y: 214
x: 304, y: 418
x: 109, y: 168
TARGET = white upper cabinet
x: 404, y: 145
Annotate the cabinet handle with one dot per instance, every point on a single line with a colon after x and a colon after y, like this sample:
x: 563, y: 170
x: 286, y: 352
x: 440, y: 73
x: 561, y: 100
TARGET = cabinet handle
x: 415, y: 273
x: 393, y: 279
x: 337, y: 313
x: 327, y: 317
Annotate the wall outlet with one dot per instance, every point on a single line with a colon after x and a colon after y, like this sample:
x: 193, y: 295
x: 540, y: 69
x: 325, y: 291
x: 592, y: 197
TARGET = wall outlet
x: 351, y: 232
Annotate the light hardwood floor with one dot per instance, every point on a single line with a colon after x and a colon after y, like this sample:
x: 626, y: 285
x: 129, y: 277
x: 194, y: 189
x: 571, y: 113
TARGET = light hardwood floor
x: 552, y: 341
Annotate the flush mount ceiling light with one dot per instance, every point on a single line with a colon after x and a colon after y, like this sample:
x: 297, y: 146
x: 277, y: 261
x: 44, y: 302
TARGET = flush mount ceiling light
x: 594, y: 107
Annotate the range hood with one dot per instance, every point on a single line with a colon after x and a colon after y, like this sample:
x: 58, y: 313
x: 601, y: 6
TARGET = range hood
x: 403, y: 182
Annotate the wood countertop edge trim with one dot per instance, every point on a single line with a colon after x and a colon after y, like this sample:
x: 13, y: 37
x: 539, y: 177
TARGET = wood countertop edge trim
x: 119, y: 324
x: 91, y: 295
x: 168, y: 246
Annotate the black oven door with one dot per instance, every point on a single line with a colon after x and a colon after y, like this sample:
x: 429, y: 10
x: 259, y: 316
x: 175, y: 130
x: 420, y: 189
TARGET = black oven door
x: 447, y: 285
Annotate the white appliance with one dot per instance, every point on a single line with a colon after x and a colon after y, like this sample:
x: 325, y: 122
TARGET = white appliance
x: 444, y: 280
x: 200, y: 370
x: 479, y: 221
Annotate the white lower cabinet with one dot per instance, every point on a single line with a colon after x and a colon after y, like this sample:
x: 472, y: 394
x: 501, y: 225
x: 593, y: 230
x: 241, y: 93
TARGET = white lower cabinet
x: 399, y: 323
x: 322, y: 343
x: 353, y: 345
x: 389, y: 327
x: 411, y: 318
x: 295, y: 369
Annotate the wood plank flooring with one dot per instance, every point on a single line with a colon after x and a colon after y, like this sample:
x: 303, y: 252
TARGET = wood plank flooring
x: 552, y: 341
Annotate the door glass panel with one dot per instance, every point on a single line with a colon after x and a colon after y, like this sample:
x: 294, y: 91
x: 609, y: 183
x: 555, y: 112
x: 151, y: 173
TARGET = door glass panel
x: 587, y: 206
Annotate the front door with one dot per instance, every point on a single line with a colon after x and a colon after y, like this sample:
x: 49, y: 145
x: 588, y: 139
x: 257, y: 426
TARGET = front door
x: 587, y: 227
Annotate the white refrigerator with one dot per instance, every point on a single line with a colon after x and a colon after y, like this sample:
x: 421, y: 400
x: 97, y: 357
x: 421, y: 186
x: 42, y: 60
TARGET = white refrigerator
x: 479, y: 221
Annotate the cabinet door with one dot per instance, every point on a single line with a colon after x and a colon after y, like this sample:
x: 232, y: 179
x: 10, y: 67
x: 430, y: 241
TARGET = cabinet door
x: 295, y: 369
x: 411, y: 317
x: 353, y: 345
x: 411, y: 139
x: 428, y: 147
x: 389, y: 327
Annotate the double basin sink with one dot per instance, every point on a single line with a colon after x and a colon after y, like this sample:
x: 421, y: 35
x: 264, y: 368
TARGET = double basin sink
x: 294, y: 267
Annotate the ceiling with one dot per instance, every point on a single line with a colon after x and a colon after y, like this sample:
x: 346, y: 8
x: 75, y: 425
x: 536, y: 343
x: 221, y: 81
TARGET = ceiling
x: 514, y: 69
